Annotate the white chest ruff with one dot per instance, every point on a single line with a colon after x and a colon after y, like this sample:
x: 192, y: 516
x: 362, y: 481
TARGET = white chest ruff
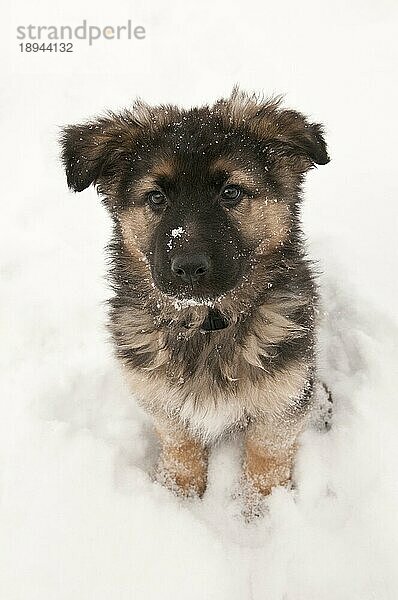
x: 214, y: 417
x: 208, y: 415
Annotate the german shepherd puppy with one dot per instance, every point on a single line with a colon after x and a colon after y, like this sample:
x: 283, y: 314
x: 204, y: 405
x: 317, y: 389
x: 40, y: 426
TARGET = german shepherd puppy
x: 214, y: 310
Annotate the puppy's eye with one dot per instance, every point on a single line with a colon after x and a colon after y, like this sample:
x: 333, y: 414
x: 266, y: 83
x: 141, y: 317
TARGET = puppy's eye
x: 231, y: 195
x: 156, y: 199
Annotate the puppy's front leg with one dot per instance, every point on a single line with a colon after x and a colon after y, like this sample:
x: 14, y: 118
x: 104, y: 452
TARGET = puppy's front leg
x: 182, y: 463
x: 270, y: 450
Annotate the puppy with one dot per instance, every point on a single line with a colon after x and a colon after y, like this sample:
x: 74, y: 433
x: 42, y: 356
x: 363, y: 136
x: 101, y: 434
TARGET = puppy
x: 214, y: 310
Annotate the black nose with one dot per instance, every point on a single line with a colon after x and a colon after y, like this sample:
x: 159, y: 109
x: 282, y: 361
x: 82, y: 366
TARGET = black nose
x: 190, y: 267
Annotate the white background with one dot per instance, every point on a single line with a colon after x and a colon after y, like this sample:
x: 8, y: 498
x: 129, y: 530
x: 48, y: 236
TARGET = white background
x: 80, y: 515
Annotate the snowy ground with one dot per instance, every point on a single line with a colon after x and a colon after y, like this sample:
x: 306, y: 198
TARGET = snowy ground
x: 80, y: 516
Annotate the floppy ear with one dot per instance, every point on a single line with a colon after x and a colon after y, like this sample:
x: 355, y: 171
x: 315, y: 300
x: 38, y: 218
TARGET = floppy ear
x: 290, y: 130
x: 92, y: 151
x: 301, y: 137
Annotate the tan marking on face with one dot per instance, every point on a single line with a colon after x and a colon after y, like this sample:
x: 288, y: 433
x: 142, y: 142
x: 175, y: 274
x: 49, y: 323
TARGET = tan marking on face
x: 242, y: 178
x: 162, y: 168
x: 135, y: 225
x: 235, y: 175
x: 144, y: 185
x: 223, y: 164
x: 279, y: 221
x: 137, y: 221
x: 264, y: 222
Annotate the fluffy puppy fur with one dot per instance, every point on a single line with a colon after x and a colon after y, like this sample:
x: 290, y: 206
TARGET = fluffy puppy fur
x: 214, y: 307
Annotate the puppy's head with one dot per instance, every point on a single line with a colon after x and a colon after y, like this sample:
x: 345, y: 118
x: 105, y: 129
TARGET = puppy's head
x: 198, y: 195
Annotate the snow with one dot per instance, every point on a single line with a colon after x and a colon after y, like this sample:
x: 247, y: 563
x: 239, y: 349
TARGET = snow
x: 81, y: 516
x: 181, y: 303
x: 176, y: 233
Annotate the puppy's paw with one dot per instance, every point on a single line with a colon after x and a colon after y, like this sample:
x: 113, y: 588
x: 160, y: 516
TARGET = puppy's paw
x: 252, y: 504
x: 253, y: 498
x: 183, y: 473
x: 181, y: 484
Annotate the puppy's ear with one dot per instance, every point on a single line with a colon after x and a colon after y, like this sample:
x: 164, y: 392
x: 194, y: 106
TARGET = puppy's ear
x: 301, y: 137
x: 92, y: 151
x: 289, y: 130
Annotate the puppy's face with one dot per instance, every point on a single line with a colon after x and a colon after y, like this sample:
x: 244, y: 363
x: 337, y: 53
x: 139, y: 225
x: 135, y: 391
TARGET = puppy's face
x: 193, y: 242
x: 198, y: 195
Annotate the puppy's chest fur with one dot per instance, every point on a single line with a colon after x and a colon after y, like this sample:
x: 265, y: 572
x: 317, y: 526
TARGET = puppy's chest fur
x: 212, y: 381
